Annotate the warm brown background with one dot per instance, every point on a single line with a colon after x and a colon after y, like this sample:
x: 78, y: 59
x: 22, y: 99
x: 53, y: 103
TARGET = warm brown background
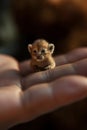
x: 63, y: 22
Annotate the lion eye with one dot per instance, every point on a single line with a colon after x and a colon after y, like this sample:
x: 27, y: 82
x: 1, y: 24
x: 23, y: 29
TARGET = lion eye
x: 43, y: 50
x: 35, y: 51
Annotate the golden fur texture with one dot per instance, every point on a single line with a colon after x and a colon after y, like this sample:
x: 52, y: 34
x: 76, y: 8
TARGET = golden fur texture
x: 41, y: 52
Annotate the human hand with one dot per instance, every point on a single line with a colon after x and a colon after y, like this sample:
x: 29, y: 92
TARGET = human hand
x: 25, y: 95
x: 55, y: 88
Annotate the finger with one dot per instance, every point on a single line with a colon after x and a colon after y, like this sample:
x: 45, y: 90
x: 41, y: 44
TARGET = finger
x: 78, y: 67
x: 47, y: 76
x: 9, y: 71
x: 8, y: 62
x: 25, y: 68
x: 44, y: 98
x: 70, y: 57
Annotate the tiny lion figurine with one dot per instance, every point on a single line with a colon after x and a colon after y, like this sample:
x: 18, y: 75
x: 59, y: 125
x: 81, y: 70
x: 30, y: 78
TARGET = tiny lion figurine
x: 41, y: 52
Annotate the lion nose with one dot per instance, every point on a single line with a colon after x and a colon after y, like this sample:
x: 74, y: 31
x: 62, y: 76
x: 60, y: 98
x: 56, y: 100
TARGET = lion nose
x: 39, y: 57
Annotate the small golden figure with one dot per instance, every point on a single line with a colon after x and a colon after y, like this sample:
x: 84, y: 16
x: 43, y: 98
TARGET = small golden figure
x: 41, y: 52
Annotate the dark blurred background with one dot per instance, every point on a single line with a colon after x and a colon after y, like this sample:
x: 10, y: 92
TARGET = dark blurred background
x: 62, y: 22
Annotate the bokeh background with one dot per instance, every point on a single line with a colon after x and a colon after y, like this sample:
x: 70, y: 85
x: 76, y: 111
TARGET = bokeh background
x: 62, y: 22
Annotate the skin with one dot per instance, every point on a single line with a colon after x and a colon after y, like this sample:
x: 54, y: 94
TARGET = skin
x: 24, y: 93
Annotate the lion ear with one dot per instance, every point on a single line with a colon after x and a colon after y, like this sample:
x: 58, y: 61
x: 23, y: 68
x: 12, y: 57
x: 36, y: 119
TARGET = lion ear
x: 29, y: 47
x: 51, y: 48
